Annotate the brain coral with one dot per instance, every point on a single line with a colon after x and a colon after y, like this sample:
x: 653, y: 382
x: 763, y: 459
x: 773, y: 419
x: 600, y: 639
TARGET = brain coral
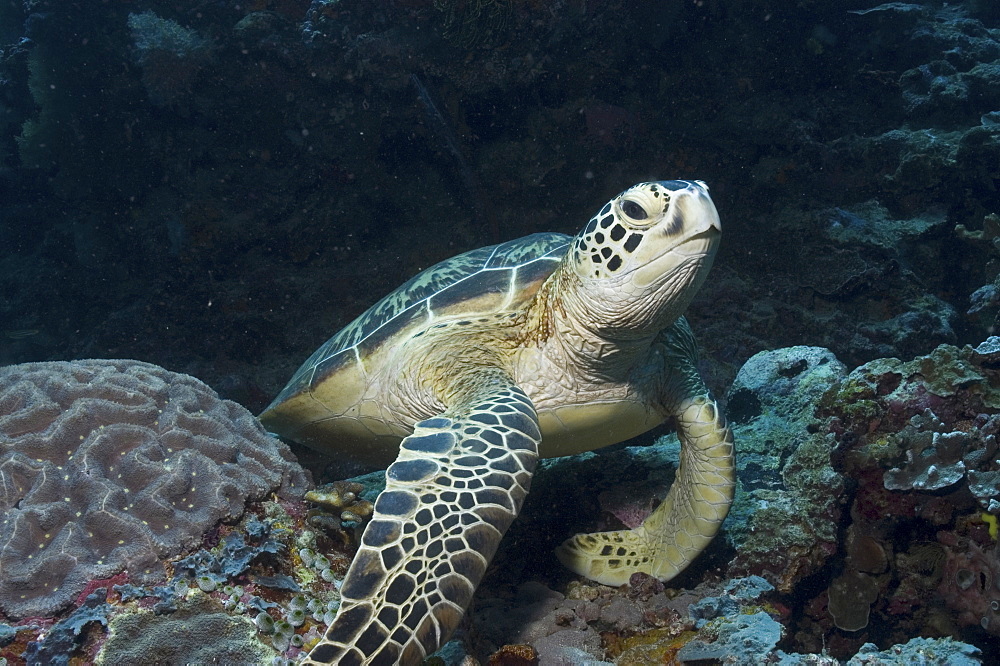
x: 108, y: 466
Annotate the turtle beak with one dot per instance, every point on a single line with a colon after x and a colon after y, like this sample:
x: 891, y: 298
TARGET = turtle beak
x: 692, y: 211
x: 689, y: 235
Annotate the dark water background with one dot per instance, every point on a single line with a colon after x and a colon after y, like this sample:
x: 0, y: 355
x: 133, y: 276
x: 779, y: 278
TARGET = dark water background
x: 219, y: 186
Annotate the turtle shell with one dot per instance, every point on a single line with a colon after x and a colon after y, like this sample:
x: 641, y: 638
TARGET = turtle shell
x: 490, y: 279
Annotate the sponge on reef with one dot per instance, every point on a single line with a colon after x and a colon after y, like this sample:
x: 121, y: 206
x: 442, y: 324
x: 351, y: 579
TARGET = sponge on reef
x: 115, y: 465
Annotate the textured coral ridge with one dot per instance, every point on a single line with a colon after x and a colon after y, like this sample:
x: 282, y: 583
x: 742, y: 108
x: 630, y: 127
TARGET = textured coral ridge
x: 112, y: 465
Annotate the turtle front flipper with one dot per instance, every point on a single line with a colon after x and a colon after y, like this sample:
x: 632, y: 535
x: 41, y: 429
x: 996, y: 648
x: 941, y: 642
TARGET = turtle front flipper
x: 458, y: 483
x: 698, y: 501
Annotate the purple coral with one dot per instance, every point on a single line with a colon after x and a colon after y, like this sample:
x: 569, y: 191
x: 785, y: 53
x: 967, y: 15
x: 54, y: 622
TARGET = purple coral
x: 108, y: 466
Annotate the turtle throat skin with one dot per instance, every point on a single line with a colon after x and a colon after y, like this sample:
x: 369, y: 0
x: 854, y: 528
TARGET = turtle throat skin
x: 637, y: 264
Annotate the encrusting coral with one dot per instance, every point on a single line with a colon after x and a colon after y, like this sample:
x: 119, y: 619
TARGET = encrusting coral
x: 919, y: 440
x: 112, y: 465
x: 209, y: 636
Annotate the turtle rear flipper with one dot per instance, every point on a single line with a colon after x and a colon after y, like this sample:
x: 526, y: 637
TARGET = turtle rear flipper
x: 458, y: 483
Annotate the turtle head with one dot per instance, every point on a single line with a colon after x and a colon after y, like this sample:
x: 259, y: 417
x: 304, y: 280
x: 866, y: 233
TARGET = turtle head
x: 643, y: 257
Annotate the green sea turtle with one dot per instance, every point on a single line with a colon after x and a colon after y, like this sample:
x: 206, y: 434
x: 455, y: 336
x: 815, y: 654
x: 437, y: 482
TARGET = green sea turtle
x: 546, y: 345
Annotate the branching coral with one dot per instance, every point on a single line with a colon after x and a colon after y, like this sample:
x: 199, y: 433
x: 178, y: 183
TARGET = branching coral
x: 116, y: 465
x: 933, y: 456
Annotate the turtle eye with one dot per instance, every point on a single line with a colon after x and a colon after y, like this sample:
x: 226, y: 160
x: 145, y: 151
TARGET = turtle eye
x: 633, y: 210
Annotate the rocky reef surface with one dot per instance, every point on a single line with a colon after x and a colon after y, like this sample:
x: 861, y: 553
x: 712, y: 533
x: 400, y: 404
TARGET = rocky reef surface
x: 865, y: 515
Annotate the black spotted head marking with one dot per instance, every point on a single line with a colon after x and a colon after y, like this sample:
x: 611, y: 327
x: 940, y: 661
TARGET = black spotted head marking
x: 641, y: 224
x: 643, y: 257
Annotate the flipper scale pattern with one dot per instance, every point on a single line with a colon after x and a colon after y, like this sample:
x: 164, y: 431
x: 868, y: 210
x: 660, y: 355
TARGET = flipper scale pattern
x: 455, y: 488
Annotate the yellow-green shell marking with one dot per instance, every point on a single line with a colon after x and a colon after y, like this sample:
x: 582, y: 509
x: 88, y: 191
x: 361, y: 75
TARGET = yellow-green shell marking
x: 499, y: 278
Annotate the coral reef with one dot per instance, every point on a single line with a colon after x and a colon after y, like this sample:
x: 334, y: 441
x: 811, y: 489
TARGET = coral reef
x: 565, y: 628
x: 63, y: 637
x: 917, y: 438
x: 210, y: 569
x: 970, y: 582
x: 839, y: 508
x: 256, y: 588
x: 108, y: 466
x: 858, y: 544
x: 737, y: 622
